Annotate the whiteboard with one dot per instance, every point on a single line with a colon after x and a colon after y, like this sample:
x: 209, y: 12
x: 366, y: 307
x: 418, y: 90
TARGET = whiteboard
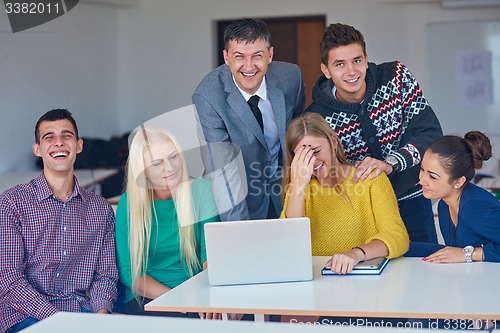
x: 464, y: 75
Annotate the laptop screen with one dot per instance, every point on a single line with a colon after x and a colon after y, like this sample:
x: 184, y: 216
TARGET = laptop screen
x: 259, y: 251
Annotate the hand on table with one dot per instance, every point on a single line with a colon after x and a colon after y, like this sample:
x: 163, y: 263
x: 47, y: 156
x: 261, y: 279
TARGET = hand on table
x: 343, y: 263
x: 448, y: 254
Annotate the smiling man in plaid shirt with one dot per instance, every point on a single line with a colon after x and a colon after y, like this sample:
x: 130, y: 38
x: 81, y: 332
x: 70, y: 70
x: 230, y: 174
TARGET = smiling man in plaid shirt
x: 57, y: 250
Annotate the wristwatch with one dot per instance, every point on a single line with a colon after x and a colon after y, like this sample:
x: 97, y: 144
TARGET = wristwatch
x: 392, y: 161
x: 468, y: 250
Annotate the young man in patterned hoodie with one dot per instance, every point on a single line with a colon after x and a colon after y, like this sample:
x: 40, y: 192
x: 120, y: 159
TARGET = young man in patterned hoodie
x: 382, y: 118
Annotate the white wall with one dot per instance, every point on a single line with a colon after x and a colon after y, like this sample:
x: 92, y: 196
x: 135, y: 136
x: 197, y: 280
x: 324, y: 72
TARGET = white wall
x: 116, y: 67
x: 70, y: 62
x: 167, y: 47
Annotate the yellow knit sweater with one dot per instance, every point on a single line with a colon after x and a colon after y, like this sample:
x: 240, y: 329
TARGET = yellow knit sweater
x: 371, y: 213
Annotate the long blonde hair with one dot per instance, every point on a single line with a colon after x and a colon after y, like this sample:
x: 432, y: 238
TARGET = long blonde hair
x: 141, y: 209
x: 313, y: 124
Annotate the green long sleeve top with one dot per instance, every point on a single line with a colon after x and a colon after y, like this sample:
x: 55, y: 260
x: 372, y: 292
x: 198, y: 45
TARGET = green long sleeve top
x: 164, y: 262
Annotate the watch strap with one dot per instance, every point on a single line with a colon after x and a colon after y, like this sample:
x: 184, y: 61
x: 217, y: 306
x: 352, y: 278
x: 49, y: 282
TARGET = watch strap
x: 468, y: 250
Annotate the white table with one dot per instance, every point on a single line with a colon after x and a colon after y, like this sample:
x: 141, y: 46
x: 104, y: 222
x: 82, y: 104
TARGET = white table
x: 408, y: 288
x: 65, y: 322
x: 86, y: 177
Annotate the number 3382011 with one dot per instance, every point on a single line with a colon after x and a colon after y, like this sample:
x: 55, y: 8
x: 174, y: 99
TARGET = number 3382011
x: 31, y: 8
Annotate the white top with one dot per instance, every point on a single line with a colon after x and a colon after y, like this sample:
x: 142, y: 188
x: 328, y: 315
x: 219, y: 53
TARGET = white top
x: 408, y: 288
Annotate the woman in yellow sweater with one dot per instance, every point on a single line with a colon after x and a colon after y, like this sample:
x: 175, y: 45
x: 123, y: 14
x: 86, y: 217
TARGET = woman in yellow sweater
x: 353, y: 221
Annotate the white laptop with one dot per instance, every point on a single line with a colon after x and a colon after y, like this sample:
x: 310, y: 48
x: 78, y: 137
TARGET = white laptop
x: 259, y: 251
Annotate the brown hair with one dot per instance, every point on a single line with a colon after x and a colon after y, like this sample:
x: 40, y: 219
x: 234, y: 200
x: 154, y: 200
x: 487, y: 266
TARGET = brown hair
x: 314, y: 124
x: 246, y: 30
x: 339, y: 34
x: 462, y: 156
x: 55, y: 115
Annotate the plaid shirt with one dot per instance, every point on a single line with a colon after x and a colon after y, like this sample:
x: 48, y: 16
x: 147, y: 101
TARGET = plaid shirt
x: 54, y: 255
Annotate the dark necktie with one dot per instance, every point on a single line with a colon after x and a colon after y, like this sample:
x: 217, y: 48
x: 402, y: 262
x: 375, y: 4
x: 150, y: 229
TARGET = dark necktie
x: 254, y: 105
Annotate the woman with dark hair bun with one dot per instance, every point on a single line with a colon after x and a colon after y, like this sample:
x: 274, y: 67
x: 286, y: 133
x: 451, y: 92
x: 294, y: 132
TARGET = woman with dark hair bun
x: 469, y: 216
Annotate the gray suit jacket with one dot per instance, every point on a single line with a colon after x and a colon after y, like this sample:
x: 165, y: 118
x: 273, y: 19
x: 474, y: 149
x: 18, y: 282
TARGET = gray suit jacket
x: 224, y: 116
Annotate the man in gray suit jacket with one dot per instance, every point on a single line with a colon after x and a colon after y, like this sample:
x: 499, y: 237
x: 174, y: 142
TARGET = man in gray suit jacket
x: 233, y: 121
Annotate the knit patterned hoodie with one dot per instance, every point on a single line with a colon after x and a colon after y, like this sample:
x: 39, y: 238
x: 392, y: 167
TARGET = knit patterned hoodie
x: 393, y: 119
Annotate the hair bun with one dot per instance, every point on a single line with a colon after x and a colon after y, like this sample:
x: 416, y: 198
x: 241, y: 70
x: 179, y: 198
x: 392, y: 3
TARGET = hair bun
x: 480, y: 147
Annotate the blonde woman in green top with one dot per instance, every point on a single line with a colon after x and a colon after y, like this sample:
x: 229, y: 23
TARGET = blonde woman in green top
x: 159, y: 221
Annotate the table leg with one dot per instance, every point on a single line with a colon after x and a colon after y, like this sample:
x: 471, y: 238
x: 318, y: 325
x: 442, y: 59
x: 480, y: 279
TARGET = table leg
x: 258, y: 317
